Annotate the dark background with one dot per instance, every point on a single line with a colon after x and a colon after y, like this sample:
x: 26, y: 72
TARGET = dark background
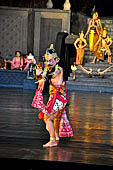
x: 84, y: 6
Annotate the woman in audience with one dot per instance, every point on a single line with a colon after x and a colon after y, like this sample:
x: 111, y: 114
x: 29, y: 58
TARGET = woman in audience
x: 17, y: 61
x: 29, y: 59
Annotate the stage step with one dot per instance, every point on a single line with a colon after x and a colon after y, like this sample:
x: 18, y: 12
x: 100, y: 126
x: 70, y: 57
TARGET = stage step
x: 16, y: 79
x: 95, y: 87
x: 93, y: 81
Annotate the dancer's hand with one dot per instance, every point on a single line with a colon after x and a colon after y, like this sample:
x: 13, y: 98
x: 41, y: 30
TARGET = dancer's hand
x: 41, y: 84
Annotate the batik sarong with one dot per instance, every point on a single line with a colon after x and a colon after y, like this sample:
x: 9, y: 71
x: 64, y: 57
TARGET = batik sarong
x: 55, y: 108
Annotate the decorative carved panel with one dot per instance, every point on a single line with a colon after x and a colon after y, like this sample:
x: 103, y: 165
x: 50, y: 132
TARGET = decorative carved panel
x: 27, y: 29
x: 48, y: 23
x: 13, y: 31
x: 48, y: 32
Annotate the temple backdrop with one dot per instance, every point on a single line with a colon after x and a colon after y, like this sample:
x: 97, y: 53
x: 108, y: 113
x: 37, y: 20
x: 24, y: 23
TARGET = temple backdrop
x: 83, y: 6
x: 28, y: 29
x: 28, y: 25
x: 13, y: 30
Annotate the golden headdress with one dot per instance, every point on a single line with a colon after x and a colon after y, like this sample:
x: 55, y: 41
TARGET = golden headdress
x: 51, y: 52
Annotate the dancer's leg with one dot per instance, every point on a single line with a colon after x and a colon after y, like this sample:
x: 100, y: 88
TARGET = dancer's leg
x: 56, y: 127
x: 50, y: 128
x: 94, y: 59
x: 110, y: 59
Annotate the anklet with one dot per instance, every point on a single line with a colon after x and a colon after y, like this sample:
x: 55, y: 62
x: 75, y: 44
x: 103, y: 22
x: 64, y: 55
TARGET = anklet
x: 52, y: 138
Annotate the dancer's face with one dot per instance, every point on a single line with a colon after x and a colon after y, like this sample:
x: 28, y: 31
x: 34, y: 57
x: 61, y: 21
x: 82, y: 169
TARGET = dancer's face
x: 50, y: 61
x: 95, y: 16
x: 81, y: 35
x: 104, y: 33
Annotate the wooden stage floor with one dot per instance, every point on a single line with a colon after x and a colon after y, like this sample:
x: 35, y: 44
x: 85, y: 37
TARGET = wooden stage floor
x: 22, y: 134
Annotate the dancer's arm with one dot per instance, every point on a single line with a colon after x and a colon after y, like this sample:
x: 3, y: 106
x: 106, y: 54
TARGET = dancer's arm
x: 109, y: 42
x: 56, y: 72
x: 85, y: 43
x: 99, y: 22
x: 42, y: 80
x: 97, y: 42
x: 41, y: 84
x: 75, y: 43
x: 89, y: 27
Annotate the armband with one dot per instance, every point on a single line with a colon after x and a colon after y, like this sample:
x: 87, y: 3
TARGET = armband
x: 56, y: 73
x: 45, y: 78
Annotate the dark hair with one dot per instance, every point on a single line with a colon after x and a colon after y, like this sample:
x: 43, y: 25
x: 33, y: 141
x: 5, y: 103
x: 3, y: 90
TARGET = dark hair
x: 50, y: 51
x: 30, y: 52
x: 18, y: 52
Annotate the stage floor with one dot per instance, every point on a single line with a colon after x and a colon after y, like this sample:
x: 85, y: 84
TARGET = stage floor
x: 22, y: 134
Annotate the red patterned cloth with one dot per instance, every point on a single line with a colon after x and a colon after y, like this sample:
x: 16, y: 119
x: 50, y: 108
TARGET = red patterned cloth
x: 38, y: 100
x: 51, y: 111
x: 65, y: 129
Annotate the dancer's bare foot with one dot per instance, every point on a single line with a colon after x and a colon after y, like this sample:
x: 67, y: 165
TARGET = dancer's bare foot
x: 57, y: 138
x: 51, y: 143
x: 92, y: 62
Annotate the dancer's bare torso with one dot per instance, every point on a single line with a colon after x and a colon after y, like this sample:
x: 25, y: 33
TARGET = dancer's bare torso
x: 57, y: 78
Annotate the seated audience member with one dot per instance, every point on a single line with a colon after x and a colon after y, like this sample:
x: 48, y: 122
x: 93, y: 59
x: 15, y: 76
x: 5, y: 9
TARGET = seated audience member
x: 17, y: 62
x: 29, y: 60
x: 24, y: 59
x: 1, y: 61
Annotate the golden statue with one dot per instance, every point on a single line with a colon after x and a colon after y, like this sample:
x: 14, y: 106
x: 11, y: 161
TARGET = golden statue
x: 105, y: 42
x: 94, y: 30
x: 79, y: 44
x: 74, y: 68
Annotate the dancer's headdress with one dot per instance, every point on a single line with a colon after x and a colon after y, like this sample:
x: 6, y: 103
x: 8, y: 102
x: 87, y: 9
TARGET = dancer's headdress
x: 105, y: 29
x: 95, y: 14
x: 51, y: 52
x: 82, y: 32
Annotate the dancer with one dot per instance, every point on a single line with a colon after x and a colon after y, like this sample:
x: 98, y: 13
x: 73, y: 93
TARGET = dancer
x: 74, y: 68
x: 94, y: 30
x: 79, y: 44
x: 105, y: 41
x: 53, y: 113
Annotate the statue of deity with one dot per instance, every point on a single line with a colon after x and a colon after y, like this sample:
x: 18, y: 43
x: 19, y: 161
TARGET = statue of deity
x: 67, y: 5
